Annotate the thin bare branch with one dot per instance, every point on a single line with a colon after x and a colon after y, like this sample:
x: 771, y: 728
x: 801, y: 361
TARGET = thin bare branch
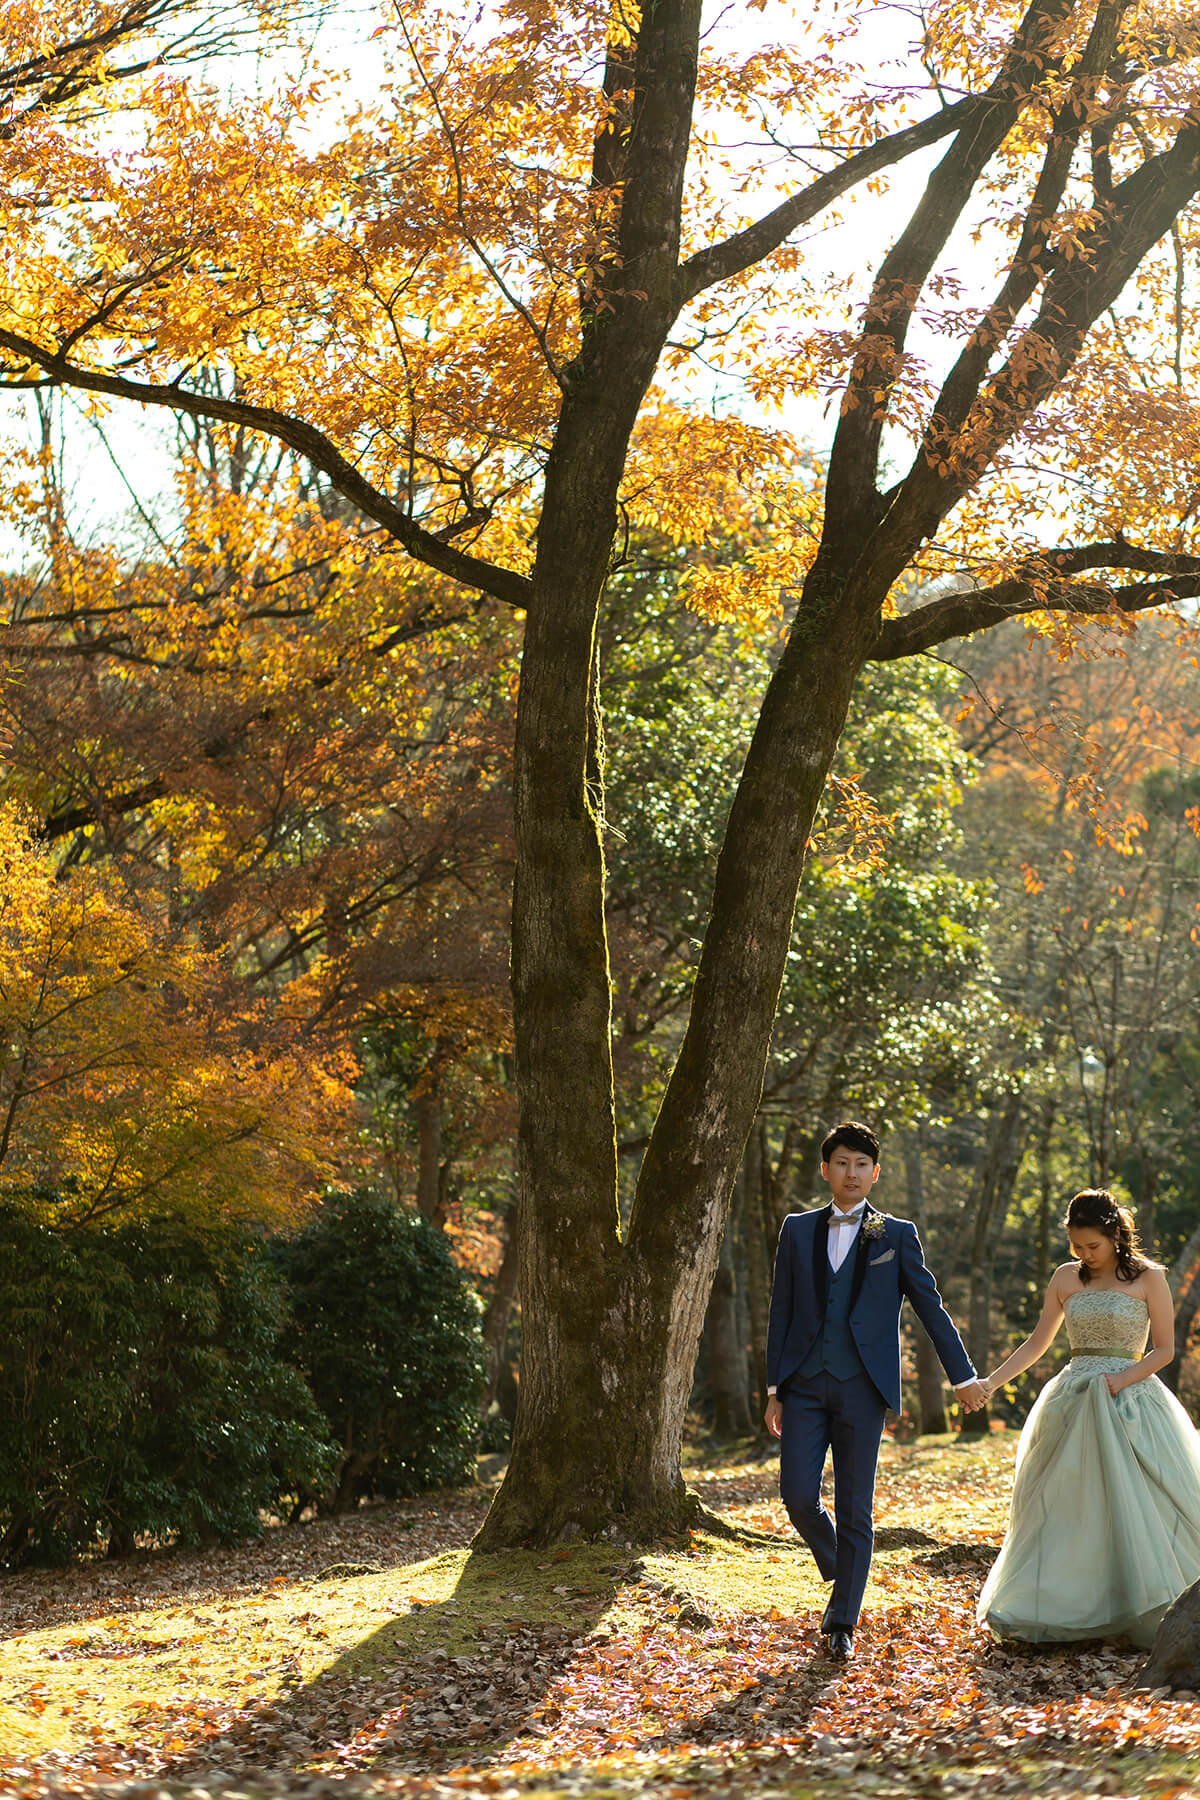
x: 426, y: 547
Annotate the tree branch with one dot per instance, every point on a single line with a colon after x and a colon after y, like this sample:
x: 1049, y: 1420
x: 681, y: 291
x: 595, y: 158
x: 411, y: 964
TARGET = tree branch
x: 1031, y: 261
x: 854, y: 459
x: 1078, y: 290
x: 1043, y: 586
x: 53, y: 78
x: 720, y: 261
x: 424, y: 546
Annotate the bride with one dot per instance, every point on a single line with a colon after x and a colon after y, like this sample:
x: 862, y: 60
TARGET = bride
x: 1104, y: 1531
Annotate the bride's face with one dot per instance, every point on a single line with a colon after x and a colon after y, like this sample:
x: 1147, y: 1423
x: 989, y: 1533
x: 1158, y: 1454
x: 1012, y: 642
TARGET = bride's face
x: 1094, y: 1249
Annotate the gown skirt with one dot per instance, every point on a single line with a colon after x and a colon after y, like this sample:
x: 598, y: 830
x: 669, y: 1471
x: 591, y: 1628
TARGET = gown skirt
x: 1104, y: 1528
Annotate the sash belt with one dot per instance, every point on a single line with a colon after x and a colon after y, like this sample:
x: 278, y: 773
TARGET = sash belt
x: 1124, y: 1355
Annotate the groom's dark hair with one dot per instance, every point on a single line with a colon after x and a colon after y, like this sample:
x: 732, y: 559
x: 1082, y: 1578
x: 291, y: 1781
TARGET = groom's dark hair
x: 852, y: 1134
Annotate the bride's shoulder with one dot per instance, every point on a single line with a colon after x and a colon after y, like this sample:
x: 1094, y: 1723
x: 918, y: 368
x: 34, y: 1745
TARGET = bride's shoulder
x: 1063, y: 1283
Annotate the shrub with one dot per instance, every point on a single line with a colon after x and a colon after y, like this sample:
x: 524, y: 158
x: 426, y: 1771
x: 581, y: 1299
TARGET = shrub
x: 142, y: 1389
x: 386, y: 1329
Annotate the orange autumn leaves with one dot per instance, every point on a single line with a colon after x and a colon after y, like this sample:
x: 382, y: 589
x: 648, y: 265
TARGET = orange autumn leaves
x: 403, y: 261
x: 123, y: 1087
x: 267, y: 770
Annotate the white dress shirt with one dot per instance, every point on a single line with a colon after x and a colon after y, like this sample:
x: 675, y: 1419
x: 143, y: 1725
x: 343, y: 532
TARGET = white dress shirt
x: 843, y: 1233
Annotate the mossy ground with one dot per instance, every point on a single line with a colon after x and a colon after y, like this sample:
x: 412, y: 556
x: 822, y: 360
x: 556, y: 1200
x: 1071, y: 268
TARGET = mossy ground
x: 594, y: 1671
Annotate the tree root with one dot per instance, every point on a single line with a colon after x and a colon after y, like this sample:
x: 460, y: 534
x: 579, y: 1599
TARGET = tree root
x: 702, y: 1519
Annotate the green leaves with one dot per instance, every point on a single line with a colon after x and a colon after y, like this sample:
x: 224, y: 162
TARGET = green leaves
x: 142, y: 1391
x: 387, y: 1332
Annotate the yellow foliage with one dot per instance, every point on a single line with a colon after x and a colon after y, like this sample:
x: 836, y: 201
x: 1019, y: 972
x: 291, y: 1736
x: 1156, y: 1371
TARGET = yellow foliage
x: 123, y: 1087
x: 411, y: 276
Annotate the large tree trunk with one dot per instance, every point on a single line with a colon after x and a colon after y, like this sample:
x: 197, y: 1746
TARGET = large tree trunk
x: 611, y: 1328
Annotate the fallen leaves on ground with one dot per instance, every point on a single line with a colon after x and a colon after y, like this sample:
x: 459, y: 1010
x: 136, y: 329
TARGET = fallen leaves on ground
x: 414, y: 1670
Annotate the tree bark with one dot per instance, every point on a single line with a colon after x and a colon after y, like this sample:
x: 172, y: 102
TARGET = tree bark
x: 758, y: 1258
x: 428, y: 1108
x: 1045, y: 1213
x: 1146, y: 1194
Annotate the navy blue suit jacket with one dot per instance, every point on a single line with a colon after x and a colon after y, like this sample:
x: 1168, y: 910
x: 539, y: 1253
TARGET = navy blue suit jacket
x: 889, y: 1268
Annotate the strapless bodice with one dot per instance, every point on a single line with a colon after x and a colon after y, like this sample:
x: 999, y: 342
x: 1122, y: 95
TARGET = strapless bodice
x: 1102, y: 1320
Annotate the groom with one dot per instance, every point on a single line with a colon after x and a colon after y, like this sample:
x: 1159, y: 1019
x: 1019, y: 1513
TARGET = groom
x: 833, y: 1362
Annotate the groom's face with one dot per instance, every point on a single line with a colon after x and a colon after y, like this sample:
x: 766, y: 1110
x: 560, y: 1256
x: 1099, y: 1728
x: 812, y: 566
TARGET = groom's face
x: 851, y: 1175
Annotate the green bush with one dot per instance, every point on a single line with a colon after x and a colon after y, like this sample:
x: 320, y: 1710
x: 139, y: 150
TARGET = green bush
x: 142, y: 1390
x: 386, y: 1330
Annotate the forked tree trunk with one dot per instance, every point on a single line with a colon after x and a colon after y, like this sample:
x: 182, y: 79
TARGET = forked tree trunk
x: 610, y: 1328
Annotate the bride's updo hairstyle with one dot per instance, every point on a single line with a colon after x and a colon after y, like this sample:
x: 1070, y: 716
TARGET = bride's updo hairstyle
x: 1096, y: 1210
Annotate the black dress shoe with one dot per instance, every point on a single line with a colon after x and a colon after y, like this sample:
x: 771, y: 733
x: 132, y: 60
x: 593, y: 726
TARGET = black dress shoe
x: 841, y: 1644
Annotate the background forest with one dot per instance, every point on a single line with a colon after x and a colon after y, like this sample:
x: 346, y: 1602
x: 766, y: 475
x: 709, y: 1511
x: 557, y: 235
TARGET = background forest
x: 257, y: 1079
x: 440, y: 562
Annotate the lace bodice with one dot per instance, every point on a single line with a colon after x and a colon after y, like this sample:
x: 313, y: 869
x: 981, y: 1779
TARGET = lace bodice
x: 1101, y: 1319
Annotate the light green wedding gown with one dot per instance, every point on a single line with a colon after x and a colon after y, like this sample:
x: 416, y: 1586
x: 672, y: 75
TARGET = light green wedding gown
x: 1104, y: 1531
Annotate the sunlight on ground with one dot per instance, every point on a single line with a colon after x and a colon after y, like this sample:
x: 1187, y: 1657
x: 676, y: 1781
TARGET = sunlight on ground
x: 148, y: 1673
x: 586, y: 1672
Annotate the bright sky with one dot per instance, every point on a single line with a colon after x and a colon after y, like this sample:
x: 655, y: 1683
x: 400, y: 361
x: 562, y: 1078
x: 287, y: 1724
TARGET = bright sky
x: 112, y: 462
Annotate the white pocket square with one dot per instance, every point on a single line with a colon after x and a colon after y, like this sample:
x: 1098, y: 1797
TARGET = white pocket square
x: 876, y: 1260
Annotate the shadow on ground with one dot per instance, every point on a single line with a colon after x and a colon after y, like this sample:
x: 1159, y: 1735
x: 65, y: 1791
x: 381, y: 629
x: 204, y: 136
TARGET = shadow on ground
x: 438, y: 1684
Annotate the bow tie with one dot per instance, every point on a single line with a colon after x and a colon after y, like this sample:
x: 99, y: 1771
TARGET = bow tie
x: 854, y: 1218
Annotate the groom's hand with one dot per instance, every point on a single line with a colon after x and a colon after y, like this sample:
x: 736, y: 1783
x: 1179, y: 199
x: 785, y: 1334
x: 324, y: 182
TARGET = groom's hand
x: 973, y: 1397
x: 773, y: 1417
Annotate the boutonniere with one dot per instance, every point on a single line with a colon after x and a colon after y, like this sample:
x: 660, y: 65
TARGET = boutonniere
x: 872, y: 1226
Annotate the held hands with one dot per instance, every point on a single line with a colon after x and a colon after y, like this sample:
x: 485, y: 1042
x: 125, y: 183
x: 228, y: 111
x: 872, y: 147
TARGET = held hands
x: 973, y: 1397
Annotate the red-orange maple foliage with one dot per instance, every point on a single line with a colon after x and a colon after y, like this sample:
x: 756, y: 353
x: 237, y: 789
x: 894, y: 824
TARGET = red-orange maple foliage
x: 462, y: 302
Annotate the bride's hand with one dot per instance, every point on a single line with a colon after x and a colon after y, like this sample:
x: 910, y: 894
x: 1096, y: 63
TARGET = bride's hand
x: 1113, y: 1383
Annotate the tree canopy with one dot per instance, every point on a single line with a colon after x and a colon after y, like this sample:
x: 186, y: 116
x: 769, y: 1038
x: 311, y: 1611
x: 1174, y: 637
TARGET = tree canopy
x: 471, y: 306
